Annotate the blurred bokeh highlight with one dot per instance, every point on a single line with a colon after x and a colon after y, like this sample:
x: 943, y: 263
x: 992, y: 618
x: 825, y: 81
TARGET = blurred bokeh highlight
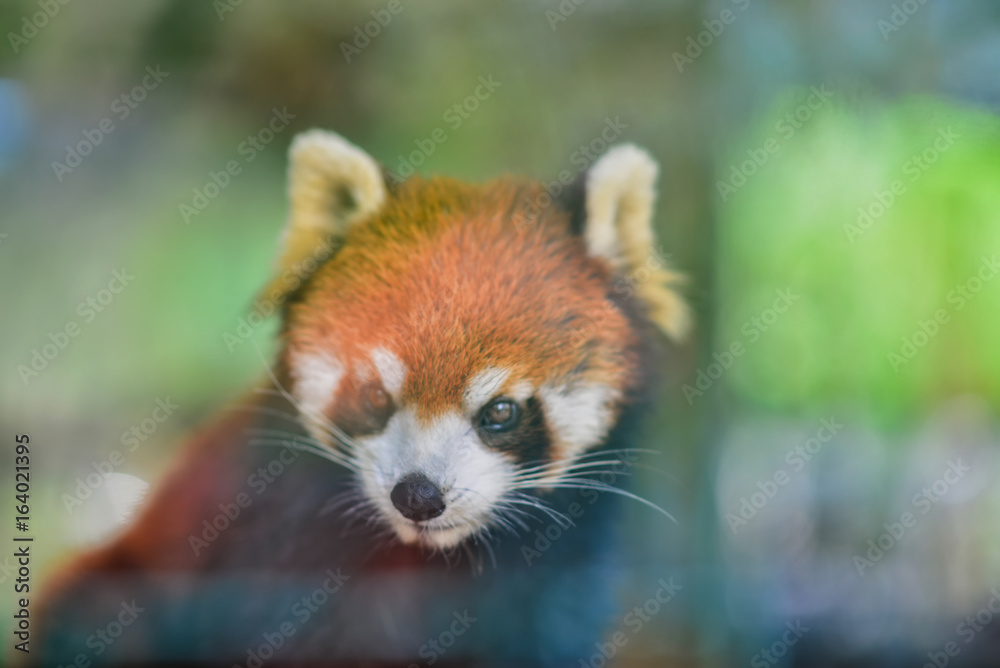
x: 830, y: 184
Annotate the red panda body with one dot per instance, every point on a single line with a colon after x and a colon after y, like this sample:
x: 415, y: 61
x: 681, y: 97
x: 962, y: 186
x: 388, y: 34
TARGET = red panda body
x: 412, y: 486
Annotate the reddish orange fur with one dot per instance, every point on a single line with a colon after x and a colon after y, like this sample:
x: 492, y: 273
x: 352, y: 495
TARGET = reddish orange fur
x: 445, y: 278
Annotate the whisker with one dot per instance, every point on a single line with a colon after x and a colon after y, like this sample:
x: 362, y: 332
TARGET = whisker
x: 547, y: 481
x: 541, y: 474
x: 535, y: 502
x: 599, y: 486
x: 496, y: 514
x: 353, y: 493
x: 317, y: 419
x: 286, y: 434
x: 266, y: 410
x: 339, y: 436
x: 301, y: 438
x: 514, y: 518
x: 538, y: 463
x: 499, y: 518
x: 489, y: 548
x: 324, y: 453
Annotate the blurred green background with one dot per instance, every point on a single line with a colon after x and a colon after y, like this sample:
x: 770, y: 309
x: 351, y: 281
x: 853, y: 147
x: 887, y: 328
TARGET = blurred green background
x: 830, y: 184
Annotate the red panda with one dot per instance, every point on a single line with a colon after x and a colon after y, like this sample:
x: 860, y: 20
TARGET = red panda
x: 460, y: 362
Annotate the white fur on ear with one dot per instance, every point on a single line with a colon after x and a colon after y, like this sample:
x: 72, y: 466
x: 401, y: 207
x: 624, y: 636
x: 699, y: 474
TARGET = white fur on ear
x: 621, y: 192
x: 331, y: 185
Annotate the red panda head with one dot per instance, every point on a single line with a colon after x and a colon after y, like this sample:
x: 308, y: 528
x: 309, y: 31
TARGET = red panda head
x: 460, y: 342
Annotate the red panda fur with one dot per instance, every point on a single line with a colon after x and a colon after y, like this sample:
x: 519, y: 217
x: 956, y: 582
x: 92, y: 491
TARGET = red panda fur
x: 453, y: 278
x: 524, y: 296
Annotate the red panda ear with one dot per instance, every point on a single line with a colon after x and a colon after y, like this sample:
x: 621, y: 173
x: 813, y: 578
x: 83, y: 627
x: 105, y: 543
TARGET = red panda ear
x: 618, y: 227
x: 332, y: 184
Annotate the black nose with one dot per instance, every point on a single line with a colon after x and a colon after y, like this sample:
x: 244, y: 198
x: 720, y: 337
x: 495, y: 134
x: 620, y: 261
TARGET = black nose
x: 417, y: 498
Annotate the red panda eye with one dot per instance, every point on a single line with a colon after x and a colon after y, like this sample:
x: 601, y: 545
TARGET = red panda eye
x: 377, y: 398
x: 500, y: 415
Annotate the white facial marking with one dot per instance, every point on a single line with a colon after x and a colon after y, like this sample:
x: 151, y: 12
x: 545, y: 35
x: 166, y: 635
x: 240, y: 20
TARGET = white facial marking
x: 483, y: 386
x: 390, y: 369
x: 317, y: 376
x: 580, y: 415
x: 521, y: 391
x: 449, y: 453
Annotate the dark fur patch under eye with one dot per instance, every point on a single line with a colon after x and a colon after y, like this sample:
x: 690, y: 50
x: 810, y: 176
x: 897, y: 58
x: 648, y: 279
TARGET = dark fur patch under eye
x: 362, y: 410
x: 529, y: 441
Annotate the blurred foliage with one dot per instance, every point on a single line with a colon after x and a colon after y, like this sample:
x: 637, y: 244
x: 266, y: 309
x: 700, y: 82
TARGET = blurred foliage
x: 882, y: 235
